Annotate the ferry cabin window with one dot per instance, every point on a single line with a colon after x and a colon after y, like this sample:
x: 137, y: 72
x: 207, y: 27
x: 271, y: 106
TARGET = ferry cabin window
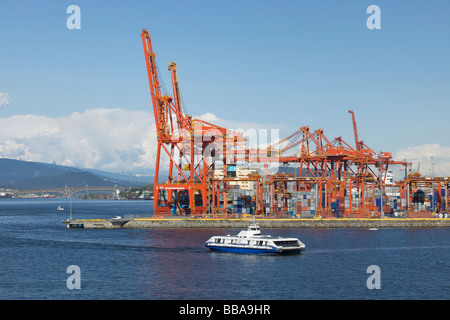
x: 285, y: 243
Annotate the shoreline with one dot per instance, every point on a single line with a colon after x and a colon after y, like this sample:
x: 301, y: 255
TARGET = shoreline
x: 186, y: 223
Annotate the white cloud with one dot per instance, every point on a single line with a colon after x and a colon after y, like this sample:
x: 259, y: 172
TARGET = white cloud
x: 207, y: 117
x: 13, y: 149
x: 5, y: 99
x: 105, y: 139
x: 420, y: 157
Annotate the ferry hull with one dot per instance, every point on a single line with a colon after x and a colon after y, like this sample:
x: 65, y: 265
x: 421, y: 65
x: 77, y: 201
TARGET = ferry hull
x: 252, y: 242
x: 250, y: 250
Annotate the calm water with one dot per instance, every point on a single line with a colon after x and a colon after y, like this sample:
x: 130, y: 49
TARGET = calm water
x: 36, y: 249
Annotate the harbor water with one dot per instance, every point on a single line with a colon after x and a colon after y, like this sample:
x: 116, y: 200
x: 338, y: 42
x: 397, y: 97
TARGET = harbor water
x: 36, y: 251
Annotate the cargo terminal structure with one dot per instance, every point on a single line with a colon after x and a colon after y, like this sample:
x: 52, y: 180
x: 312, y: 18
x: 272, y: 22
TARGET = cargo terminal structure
x: 216, y: 172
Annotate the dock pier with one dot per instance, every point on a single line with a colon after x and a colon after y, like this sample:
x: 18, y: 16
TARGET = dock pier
x: 89, y: 223
x: 143, y: 223
x: 71, y: 225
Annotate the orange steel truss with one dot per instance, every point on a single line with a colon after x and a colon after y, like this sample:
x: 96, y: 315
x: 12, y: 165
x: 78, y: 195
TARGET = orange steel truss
x: 332, y: 179
x: 192, y: 140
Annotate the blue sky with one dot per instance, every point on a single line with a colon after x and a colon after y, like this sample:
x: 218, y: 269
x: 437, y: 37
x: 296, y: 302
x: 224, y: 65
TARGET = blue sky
x: 273, y: 63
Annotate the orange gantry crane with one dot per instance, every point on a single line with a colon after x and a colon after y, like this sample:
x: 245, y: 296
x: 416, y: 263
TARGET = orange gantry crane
x: 332, y: 178
x: 342, y: 180
x: 187, y: 142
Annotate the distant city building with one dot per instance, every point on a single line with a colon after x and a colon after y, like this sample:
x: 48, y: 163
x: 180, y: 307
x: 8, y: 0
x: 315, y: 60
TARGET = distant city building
x: 238, y: 172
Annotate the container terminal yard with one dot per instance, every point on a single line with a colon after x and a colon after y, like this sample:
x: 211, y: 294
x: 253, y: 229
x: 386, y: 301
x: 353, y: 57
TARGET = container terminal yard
x: 217, y: 178
x: 215, y: 172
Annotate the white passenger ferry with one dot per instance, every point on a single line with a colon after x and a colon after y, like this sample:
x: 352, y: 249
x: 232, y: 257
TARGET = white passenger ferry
x: 251, y: 241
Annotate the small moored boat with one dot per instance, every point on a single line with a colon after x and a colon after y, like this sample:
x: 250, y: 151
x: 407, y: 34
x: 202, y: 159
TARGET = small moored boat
x: 251, y: 241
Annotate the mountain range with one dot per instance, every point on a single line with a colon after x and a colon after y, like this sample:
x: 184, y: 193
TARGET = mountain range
x: 19, y: 174
x: 28, y: 175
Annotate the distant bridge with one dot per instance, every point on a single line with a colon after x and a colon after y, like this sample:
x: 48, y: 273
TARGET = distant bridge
x: 70, y: 191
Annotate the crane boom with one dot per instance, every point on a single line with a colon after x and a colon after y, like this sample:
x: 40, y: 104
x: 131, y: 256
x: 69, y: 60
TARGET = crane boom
x: 160, y: 102
x: 176, y: 89
x: 358, y: 146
